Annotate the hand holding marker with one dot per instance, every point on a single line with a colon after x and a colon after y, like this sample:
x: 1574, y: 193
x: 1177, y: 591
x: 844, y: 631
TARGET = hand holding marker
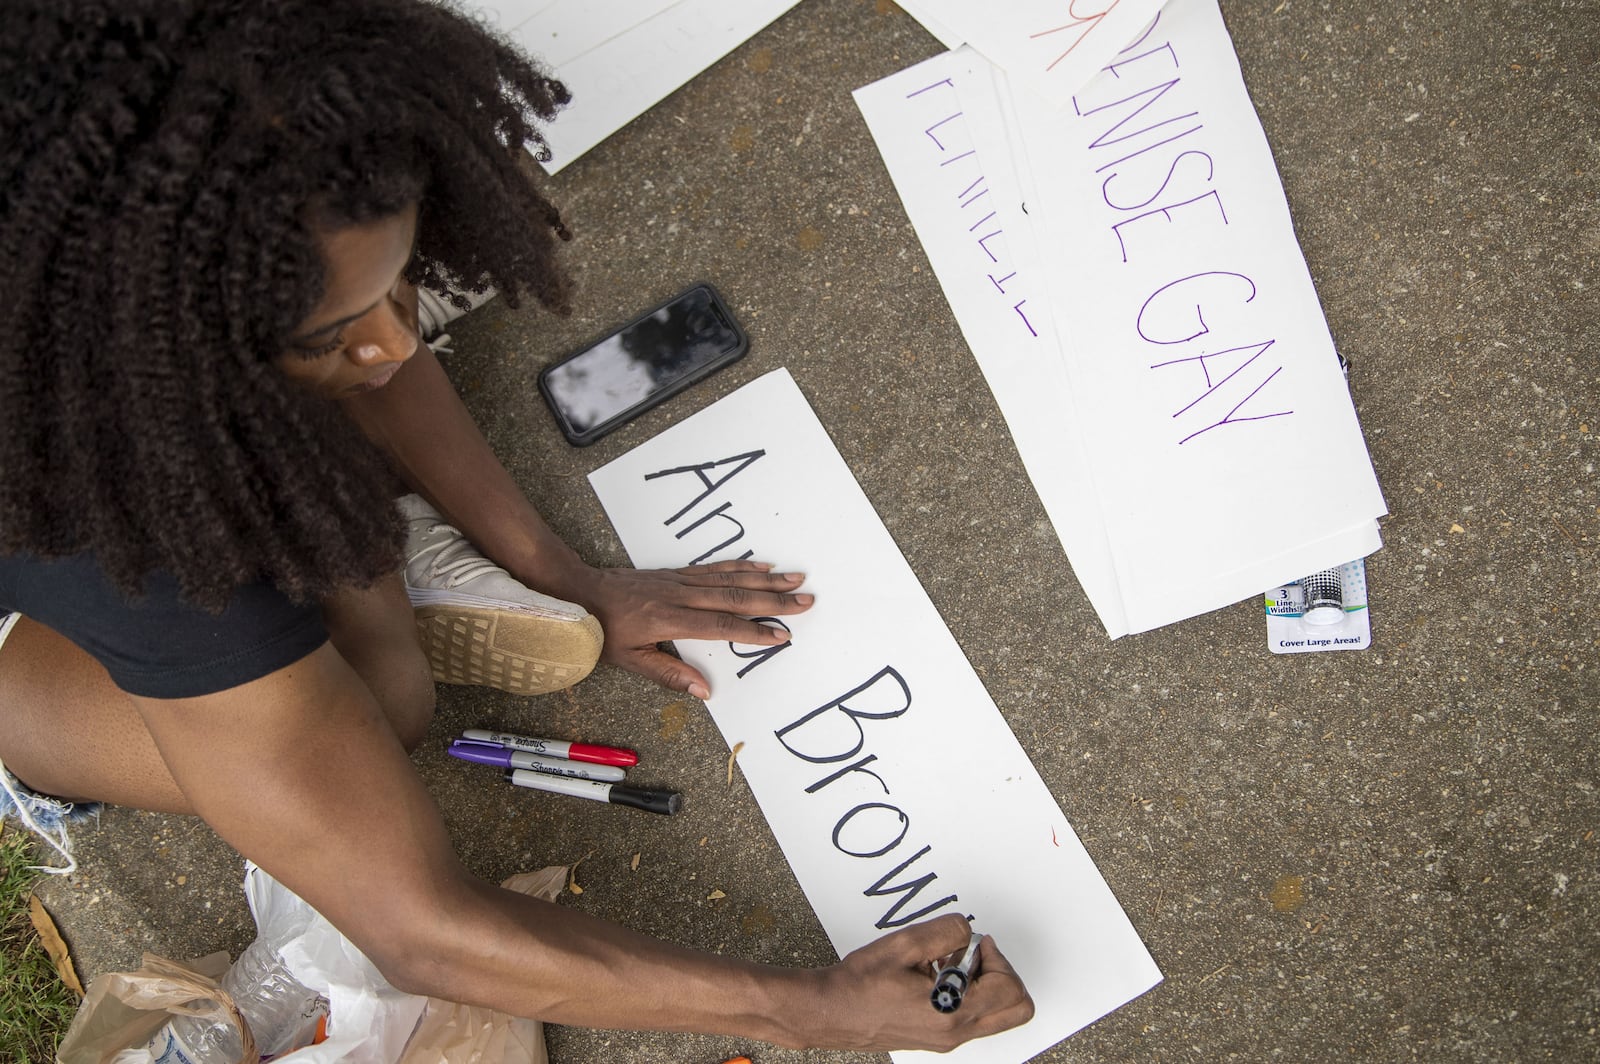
x: 950, y: 983
x: 553, y: 765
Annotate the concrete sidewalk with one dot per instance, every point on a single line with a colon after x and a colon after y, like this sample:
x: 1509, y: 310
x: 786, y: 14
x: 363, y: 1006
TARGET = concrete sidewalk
x: 1388, y: 855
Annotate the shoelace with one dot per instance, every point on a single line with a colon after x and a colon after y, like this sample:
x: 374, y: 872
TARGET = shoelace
x: 455, y: 560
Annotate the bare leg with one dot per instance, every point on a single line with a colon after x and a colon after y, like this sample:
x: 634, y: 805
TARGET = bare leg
x: 66, y: 730
x: 376, y: 633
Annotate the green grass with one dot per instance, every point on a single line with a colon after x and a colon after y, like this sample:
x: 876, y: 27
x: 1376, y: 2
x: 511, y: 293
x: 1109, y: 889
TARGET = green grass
x: 35, y: 1007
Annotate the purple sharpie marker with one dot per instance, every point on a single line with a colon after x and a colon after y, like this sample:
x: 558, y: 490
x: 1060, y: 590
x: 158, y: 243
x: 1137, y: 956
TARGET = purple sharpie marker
x: 490, y: 754
x: 664, y: 802
x: 597, y: 755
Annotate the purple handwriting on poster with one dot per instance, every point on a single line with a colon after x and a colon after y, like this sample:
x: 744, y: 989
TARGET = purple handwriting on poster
x: 1159, y: 182
x: 953, y: 162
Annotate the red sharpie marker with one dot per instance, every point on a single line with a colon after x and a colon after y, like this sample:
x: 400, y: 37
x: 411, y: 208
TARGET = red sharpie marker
x: 595, y: 755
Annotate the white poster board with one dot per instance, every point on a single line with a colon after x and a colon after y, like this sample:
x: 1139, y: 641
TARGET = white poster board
x: 923, y: 13
x: 1186, y: 425
x: 1051, y: 47
x: 890, y: 779
x: 941, y: 130
x: 619, y: 58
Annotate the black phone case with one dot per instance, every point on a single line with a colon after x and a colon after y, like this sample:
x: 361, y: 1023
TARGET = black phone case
x: 654, y: 399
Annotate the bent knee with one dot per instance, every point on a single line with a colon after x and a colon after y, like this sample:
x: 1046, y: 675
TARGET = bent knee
x: 375, y: 632
x: 410, y: 700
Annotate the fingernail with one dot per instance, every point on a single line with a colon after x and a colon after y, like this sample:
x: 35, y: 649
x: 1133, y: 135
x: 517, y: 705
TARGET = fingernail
x: 700, y: 691
x: 805, y: 600
x: 798, y: 578
x: 765, y: 567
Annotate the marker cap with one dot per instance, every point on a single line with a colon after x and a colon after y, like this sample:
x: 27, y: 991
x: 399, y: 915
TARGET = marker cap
x: 603, y: 755
x: 949, y: 990
x: 664, y: 802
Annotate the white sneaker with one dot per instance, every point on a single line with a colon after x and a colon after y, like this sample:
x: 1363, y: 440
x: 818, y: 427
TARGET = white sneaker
x: 435, y: 311
x: 479, y: 624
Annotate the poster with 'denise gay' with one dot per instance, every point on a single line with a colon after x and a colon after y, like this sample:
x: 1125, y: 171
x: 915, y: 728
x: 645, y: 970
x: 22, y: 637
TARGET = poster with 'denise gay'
x: 891, y: 781
x: 1124, y: 267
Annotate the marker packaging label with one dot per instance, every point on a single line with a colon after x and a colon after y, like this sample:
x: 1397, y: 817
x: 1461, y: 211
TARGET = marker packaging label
x: 1288, y: 631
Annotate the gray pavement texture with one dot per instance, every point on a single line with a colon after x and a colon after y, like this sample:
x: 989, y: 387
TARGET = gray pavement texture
x: 1387, y: 855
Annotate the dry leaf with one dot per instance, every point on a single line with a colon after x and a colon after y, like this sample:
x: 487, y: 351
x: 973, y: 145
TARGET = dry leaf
x: 634, y: 864
x: 703, y: 839
x: 716, y: 895
x: 53, y: 944
x: 572, y: 873
x: 731, y: 759
x: 1457, y: 528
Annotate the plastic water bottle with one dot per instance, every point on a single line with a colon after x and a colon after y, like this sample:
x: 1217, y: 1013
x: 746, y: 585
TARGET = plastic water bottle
x: 282, y: 1014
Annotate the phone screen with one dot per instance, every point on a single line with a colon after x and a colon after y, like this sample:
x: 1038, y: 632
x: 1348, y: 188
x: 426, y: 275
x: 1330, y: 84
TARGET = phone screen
x: 646, y: 360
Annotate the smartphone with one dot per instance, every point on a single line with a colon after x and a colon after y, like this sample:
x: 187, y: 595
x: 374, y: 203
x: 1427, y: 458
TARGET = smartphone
x: 657, y: 355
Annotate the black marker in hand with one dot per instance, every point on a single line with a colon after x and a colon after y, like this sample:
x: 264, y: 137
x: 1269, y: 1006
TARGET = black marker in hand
x: 951, y: 983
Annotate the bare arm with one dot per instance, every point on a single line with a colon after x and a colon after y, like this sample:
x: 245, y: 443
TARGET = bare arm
x: 420, y: 421
x: 426, y: 429
x: 362, y: 842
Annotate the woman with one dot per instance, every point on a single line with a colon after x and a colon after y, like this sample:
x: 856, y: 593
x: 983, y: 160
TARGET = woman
x: 212, y: 217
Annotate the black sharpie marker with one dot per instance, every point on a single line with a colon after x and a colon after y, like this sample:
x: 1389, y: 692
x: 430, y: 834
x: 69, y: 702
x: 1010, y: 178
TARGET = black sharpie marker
x: 665, y: 802
x: 950, y: 983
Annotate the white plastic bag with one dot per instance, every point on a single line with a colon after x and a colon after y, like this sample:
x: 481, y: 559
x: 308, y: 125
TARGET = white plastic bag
x: 369, y: 1021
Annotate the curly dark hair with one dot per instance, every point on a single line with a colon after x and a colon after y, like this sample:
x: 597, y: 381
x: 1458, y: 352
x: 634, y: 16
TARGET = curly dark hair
x: 160, y: 164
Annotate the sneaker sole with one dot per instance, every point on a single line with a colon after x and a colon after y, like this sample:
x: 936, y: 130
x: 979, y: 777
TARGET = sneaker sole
x: 522, y: 654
